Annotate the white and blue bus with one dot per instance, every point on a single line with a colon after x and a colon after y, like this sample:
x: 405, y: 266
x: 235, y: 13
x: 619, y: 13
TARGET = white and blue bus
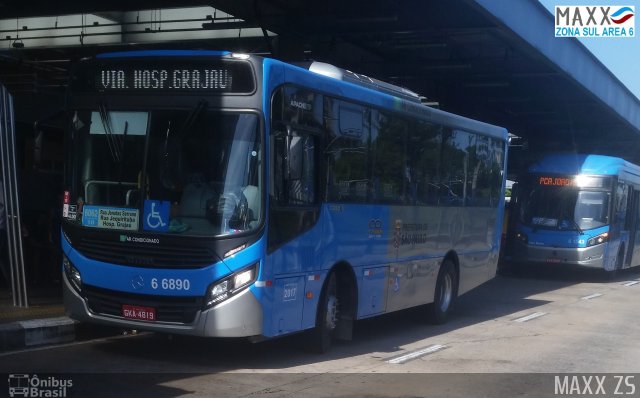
x: 579, y: 210
x: 227, y: 195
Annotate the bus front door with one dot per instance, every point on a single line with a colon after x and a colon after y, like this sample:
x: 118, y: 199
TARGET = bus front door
x: 632, y: 257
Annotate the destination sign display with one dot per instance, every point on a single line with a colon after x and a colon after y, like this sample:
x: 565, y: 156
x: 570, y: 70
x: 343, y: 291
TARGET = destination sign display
x: 166, y: 79
x: 580, y: 181
x: 153, y: 75
x: 555, y: 181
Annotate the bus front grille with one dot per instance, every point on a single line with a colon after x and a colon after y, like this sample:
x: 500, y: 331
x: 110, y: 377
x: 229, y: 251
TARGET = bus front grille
x: 142, y: 255
x: 175, y: 309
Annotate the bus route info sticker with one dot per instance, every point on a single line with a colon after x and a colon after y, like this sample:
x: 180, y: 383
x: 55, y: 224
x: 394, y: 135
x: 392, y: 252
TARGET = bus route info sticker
x: 110, y: 218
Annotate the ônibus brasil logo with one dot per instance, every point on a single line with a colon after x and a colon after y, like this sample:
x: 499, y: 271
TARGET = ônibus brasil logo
x: 34, y: 386
x: 595, y: 21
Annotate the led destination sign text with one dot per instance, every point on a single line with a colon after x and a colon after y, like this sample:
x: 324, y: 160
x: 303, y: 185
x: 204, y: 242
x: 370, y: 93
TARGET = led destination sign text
x: 186, y: 75
x: 580, y: 181
x: 166, y: 79
x: 555, y: 181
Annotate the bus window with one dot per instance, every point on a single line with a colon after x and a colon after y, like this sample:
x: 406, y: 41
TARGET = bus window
x: 347, y: 149
x: 424, y: 142
x: 388, y: 140
x: 592, y: 209
x: 200, y: 168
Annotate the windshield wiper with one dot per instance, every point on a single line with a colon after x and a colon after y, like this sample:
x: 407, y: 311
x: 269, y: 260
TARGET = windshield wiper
x: 188, y: 122
x: 106, y: 124
x: 575, y: 224
x: 192, y: 117
x: 124, y: 152
x: 117, y: 145
x: 169, y: 174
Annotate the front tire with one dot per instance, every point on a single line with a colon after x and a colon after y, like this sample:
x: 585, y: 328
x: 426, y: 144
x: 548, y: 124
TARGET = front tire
x: 327, y: 317
x: 445, y: 294
x: 615, y: 273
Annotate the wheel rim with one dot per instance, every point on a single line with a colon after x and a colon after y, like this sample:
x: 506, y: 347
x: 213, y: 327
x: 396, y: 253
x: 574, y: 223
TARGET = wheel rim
x: 446, y: 292
x: 331, y: 318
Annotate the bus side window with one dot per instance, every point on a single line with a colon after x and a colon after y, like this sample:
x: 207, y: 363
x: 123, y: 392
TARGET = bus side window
x: 347, y: 153
x: 389, y: 164
x: 423, y: 145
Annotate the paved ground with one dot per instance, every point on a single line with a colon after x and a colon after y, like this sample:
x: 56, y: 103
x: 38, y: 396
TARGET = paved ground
x: 524, y: 333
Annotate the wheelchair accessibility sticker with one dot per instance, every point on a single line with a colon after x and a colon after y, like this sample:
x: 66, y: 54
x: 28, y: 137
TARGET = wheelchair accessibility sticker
x: 156, y: 215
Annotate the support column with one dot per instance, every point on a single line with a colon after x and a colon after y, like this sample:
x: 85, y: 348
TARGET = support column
x: 9, y: 182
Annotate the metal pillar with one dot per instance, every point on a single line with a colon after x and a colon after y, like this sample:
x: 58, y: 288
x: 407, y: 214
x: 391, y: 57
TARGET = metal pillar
x: 10, y: 196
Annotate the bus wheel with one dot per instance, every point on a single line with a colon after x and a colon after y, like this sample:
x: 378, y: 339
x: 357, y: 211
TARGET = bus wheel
x: 327, y: 318
x: 615, y: 273
x: 445, y: 294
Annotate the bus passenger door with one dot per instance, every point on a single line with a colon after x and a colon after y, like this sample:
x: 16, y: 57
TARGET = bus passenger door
x: 294, y: 233
x: 632, y: 226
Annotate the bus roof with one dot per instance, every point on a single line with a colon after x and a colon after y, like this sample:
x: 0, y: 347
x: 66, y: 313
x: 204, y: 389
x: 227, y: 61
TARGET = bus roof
x: 573, y: 164
x: 164, y: 53
x: 365, y: 94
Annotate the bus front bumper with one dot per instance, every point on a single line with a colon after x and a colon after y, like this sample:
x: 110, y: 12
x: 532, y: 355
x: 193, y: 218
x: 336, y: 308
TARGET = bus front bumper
x: 239, y: 316
x: 592, y: 257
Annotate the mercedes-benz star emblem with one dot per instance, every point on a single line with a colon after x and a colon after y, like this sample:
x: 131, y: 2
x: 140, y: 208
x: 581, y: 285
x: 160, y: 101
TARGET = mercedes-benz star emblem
x: 137, y: 282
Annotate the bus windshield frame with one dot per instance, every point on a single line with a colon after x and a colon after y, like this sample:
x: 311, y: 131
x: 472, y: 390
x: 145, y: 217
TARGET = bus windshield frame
x: 564, y: 204
x: 173, y: 170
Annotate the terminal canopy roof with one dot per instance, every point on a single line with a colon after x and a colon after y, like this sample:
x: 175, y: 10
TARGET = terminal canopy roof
x: 495, y: 61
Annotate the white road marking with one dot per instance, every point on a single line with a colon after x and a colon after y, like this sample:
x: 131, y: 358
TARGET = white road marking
x: 530, y: 317
x: 417, y: 354
x: 591, y: 296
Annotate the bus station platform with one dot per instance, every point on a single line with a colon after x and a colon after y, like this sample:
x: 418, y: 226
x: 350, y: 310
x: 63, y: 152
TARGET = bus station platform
x: 43, y: 322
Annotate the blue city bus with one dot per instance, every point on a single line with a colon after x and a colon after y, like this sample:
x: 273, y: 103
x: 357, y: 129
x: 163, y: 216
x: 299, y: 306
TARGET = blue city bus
x: 579, y: 210
x: 229, y: 195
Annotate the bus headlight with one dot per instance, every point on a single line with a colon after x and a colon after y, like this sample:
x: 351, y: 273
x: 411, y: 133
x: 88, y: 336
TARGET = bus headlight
x: 522, y: 237
x: 227, y: 287
x: 72, y: 273
x: 596, y: 240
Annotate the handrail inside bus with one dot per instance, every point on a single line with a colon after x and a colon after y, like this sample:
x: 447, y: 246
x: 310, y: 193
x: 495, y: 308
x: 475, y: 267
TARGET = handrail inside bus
x: 88, y: 183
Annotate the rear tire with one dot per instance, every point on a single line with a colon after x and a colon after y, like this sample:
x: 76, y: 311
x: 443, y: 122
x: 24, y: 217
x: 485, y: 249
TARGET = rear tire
x: 327, y: 317
x: 445, y: 294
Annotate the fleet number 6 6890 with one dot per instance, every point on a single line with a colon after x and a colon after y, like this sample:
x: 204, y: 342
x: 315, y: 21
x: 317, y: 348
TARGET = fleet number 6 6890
x: 170, y: 284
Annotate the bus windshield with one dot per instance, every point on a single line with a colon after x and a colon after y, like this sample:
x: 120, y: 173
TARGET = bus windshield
x: 565, y: 208
x: 181, y: 171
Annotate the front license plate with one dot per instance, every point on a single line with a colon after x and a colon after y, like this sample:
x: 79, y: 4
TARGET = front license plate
x: 138, y: 313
